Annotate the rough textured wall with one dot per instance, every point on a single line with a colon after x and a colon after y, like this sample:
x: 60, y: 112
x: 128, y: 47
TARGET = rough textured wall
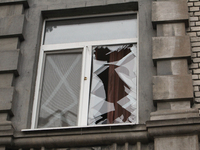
x: 11, y: 36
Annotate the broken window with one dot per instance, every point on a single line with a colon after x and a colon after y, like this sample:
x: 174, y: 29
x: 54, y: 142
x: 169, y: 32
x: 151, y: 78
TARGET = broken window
x: 87, y: 72
x: 113, y: 90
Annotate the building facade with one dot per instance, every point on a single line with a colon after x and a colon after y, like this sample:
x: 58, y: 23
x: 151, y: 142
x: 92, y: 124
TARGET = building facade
x: 54, y: 53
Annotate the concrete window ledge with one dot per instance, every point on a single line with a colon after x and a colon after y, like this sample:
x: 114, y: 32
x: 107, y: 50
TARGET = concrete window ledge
x: 89, y: 136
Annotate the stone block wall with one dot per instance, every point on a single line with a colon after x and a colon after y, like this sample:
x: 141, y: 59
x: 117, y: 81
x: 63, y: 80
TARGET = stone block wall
x: 165, y: 55
x: 171, y: 52
x: 11, y: 35
x: 173, y: 84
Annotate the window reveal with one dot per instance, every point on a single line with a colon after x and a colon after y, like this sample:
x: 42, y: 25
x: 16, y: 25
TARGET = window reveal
x: 86, y: 76
x: 113, y: 90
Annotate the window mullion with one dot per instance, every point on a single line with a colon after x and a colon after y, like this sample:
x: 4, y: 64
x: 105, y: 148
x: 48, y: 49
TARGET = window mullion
x: 85, y: 86
x: 38, y: 87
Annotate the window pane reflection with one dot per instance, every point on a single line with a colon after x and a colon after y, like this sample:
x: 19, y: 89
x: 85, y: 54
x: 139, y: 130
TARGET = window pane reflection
x: 91, y: 29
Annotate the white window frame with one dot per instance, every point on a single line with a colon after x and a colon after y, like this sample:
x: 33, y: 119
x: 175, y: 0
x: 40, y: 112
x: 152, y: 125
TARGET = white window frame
x: 86, y: 72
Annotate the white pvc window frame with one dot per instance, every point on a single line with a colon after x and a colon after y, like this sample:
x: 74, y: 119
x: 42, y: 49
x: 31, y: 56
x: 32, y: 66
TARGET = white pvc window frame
x: 86, y: 72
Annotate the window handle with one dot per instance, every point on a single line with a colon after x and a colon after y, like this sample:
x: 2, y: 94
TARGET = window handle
x: 87, y: 51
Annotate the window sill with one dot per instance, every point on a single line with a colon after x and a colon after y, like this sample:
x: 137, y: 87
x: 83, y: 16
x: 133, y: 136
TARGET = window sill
x: 103, y: 129
x: 81, y: 127
x: 82, y: 136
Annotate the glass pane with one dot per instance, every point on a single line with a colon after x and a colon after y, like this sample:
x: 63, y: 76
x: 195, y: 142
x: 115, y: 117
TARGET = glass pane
x: 60, y: 90
x: 91, y: 29
x: 113, y: 96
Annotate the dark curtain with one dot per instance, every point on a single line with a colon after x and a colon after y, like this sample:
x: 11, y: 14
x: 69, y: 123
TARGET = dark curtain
x: 113, y: 84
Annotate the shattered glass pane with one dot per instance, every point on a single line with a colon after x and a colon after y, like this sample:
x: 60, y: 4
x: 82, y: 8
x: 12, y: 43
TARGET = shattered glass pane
x: 113, y: 96
x: 60, y: 90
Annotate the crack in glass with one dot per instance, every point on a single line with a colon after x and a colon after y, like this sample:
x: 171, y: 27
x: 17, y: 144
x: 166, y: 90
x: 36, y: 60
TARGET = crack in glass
x: 113, y: 97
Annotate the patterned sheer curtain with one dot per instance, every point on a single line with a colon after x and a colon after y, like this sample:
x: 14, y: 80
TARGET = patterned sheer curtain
x: 60, y: 90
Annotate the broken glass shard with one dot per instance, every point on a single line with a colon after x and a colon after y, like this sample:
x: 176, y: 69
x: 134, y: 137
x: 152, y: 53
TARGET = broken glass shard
x: 114, y: 83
